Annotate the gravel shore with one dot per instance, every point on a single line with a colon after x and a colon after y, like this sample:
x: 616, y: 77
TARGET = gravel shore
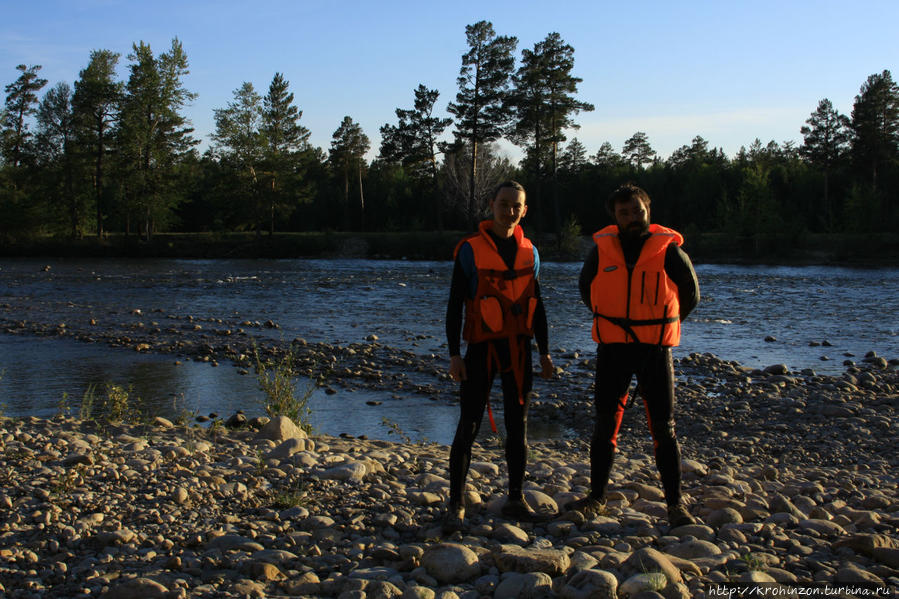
x: 792, y: 478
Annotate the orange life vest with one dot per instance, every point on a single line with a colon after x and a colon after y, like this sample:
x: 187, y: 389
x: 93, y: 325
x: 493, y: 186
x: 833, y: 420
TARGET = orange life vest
x: 639, y: 306
x: 504, y: 302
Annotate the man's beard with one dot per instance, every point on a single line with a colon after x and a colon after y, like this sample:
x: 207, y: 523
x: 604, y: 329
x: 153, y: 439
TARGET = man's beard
x: 635, y: 230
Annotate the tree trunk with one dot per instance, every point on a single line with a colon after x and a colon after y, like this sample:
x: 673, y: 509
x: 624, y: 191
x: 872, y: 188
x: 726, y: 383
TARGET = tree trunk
x: 555, y: 197
x: 361, y: 199
x: 472, y: 204
x: 271, y: 226
x: 98, y: 185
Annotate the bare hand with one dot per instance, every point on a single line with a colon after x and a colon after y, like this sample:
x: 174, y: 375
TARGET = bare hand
x: 546, y: 365
x: 457, y: 369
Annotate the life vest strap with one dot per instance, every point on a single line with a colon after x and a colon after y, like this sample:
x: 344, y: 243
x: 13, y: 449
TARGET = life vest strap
x: 517, y: 360
x: 627, y: 323
x: 508, y: 274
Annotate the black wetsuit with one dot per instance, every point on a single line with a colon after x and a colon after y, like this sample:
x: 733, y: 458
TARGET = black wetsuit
x: 480, y: 369
x: 617, y: 363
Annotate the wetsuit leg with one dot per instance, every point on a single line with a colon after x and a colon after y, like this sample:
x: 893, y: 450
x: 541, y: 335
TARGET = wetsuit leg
x: 473, y: 393
x: 656, y: 376
x: 614, y: 370
x: 516, y: 416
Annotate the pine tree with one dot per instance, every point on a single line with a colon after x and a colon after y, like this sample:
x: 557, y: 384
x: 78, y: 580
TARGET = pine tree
x: 348, y: 147
x: 284, y: 139
x: 481, y: 107
x: 637, y: 150
x: 238, y: 142
x: 543, y: 103
x: 875, y: 123
x: 154, y: 136
x: 96, y: 104
x: 826, y: 135
x: 573, y: 156
x: 607, y: 157
x: 21, y: 103
x: 412, y: 142
x: 56, y: 150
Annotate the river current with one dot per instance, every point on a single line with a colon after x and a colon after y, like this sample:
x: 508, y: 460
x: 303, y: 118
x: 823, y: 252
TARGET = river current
x: 818, y: 317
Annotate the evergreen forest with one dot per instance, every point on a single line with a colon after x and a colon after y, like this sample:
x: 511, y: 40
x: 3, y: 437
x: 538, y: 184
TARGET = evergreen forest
x: 105, y: 158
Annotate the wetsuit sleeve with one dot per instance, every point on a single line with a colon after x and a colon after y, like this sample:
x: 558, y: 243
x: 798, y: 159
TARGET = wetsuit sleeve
x: 459, y: 290
x: 541, y: 329
x: 680, y: 270
x: 588, y: 273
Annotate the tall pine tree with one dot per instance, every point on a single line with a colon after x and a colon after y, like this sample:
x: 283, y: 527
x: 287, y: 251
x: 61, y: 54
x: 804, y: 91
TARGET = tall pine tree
x: 481, y: 107
x: 826, y: 134
x: 21, y: 103
x: 412, y: 142
x: 875, y: 124
x: 96, y: 104
x: 239, y: 144
x: 154, y: 136
x: 544, y: 104
x: 57, y: 155
x: 284, y: 138
x: 347, y: 156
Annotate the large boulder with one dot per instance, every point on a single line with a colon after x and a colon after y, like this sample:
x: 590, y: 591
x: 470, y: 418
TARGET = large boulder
x: 512, y: 558
x: 450, y: 563
x: 281, y: 428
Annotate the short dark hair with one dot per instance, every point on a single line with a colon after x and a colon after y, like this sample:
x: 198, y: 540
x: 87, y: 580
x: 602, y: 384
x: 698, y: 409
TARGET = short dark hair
x: 626, y: 193
x: 513, y: 184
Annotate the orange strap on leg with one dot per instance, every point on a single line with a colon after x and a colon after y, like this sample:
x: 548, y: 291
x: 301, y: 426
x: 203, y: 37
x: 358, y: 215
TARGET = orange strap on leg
x: 492, y: 359
x: 516, y: 364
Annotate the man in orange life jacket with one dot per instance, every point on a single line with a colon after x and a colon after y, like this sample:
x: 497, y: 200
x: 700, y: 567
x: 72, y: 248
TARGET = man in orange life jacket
x: 640, y: 285
x: 495, y: 278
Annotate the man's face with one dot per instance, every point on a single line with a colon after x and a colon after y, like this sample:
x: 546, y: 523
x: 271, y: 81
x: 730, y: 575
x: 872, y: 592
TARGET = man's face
x: 632, y: 217
x: 508, y: 207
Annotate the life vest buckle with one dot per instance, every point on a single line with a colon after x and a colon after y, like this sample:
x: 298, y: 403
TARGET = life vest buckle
x: 516, y: 309
x: 510, y: 274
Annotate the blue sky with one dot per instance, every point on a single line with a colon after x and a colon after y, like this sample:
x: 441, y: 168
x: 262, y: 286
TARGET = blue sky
x: 728, y: 71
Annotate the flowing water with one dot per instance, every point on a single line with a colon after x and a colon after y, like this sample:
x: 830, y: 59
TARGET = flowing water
x: 403, y: 304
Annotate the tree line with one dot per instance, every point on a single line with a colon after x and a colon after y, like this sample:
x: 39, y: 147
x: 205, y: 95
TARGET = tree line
x: 104, y: 155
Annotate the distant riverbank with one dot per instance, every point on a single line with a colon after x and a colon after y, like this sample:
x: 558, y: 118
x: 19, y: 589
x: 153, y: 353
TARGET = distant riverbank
x: 718, y: 248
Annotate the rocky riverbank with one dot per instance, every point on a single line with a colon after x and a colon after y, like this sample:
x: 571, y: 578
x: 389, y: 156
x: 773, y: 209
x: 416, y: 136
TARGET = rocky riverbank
x: 792, y: 477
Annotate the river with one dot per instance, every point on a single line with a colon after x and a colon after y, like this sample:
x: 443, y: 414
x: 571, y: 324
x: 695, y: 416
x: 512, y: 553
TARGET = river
x: 818, y: 316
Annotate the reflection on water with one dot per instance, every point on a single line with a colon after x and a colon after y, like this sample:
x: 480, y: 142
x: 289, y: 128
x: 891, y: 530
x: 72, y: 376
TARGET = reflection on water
x: 162, y: 387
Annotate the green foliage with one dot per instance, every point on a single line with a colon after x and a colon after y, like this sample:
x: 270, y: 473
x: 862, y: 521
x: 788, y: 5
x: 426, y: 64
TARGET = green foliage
x: 153, y: 135
x: 107, y: 156
x: 875, y: 123
x: 21, y: 102
x: 863, y: 208
x: 571, y: 237
x: 63, y: 409
x: 754, y: 562
x: 277, y: 377
x: 116, y: 404
x: 88, y: 401
x: 67, y: 481
x: 347, y: 157
x: 412, y: 142
x: 637, y: 150
x: 291, y: 494
x: 481, y: 107
x: 95, y: 105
